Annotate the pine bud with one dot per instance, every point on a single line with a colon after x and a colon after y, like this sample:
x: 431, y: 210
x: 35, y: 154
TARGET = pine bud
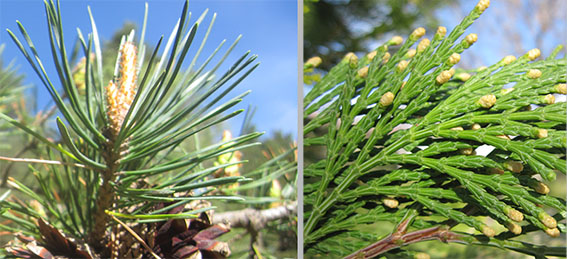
x: 441, y: 31
x: 454, y: 58
x: 482, y: 5
x: 487, y: 101
x: 390, y: 203
x: 348, y: 56
x: 411, y: 53
x: 560, y: 88
x: 120, y: 99
x: 363, y: 72
x: 386, y: 57
x: 313, y: 62
x: 548, y: 99
x: 514, y: 228
x: 463, y: 76
x: 417, y: 33
x: 514, y: 214
x: 547, y: 220
x: 353, y: 61
x: 541, y: 133
x: 467, y: 151
x: 402, y: 65
x: 471, y: 39
x: 475, y: 126
x: 371, y: 55
x: 387, y: 99
x: 443, y: 77
x: 487, y: 231
x: 508, y: 59
x: 533, y: 54
x: 396, y: 40
x: 552, y: 232
x: 534, y: 73
x: 423, y: 44
x: 514, y: 166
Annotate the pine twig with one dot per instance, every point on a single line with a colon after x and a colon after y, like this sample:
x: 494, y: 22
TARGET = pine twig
x: 256, y: 219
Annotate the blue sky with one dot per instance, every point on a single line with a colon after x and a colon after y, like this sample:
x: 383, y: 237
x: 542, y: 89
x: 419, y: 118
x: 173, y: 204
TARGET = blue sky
x: 269, y: 29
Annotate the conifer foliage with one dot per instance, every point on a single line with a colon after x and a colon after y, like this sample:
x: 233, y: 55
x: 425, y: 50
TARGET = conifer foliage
x: 118, y: 184
x: 401, y: 132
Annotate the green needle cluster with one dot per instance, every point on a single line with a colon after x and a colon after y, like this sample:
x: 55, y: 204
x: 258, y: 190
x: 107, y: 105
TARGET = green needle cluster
x: 402, y: 130
x: 125, y: 157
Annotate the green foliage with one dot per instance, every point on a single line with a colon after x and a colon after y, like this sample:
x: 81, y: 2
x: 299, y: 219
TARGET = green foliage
x: 401, y: 132
x: 128, y: 171
x: 11, y: 86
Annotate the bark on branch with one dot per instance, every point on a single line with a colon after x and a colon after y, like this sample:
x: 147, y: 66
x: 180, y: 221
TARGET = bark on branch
x: 255, y: 219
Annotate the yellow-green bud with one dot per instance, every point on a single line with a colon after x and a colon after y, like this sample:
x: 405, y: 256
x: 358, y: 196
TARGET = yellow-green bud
x: 463, y: 76
x: 475, y: 126
x: 458, y: 128
x: 560, y: 88
x: 454, y: 58
x: 402, y: 65
x: 471, y: 39
x: 514, y: 166
x: 482, y: 5
x: 540, y: 187
x: 387, y: 99
x: 467, y: 151
x: 390, y: 203
x: 313, y: 62
x: 423, y: 44
x: 396, y: 40
x: 548, y: 99
x: 547, y: 220
x: 363, y: 72
x: 534, y: 73
x: 348, y: 56
x: 506, y: 91
x: 514, y: 214
x: 443, y: 77
x: 508, y: 59
x: 541, y: 133
x: 487, y: 231
x: 441, y: 31
x: 371, y: 55
x: 533, y: 54
x: 552, y: 232
x: 386, y: 57
x: 487, y: 101
x: 514, y: 228
x: 417, y: 33
x: 411, y: 53
x: 353, y: 61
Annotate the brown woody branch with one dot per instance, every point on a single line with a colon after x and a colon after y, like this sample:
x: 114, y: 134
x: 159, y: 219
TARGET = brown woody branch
x: 255, y: 219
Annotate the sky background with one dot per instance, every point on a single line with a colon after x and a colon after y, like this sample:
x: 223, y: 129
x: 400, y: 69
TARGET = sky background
x: 269, y: 29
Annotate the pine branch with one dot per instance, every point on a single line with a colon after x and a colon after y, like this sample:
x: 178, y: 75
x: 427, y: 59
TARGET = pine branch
x: 255, y: 219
